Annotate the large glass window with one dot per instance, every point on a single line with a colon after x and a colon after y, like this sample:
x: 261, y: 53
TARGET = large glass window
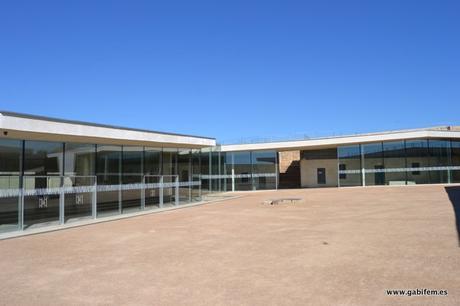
x: 133, y: 173
x: 243, y: 170
x: 43, y: 165
x: 152, y: 170
x: 417, y: 156
x: 394, y: 155
x: 349, y: 165
x: 169, y: 172
x: 373, y: 163
x: 215, y: 171
x: 10, y: 163
x: 79, y: 171
x: 108, y: 171
x: 196, y: 175
x: 455, y: 161
x: 264, y: 169
x: 205, y: 171
x: 439, y: 157
x: 184, y: 172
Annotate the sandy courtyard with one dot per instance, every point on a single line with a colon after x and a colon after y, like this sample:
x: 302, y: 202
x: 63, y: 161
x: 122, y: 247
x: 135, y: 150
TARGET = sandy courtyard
x: 336, y: 247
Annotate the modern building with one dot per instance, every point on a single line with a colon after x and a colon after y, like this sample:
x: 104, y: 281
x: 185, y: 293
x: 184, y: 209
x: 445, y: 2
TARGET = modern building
x: 55, y: 171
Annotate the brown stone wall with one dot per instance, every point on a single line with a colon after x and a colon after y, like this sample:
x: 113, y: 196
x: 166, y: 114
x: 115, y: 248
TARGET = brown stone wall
x: 289, y: 169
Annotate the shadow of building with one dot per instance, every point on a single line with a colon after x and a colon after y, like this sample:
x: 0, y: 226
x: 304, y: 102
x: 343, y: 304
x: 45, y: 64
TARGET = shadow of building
x: 454, y: 196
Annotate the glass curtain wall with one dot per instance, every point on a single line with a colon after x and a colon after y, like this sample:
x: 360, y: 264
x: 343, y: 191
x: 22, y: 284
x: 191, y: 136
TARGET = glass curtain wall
x: 264, y: 169
x: 108, y: 172
x: 349, y: 165
x: 152, y: 171
x: 79, y: 171
x: 417, y: 156
x: 43, y: 167
x: 10, y: 171
x: 215, y: 184
x: 133, y: 173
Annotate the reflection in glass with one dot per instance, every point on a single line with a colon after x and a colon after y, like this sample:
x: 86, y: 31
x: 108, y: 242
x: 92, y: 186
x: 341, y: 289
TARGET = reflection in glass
x: 79, y: 170
x: 417, y: 156
x: 108, y: 171
x: 196, y: 177
x: 439, y: 157
x: 455, y: 157
x: 243, y: 170
x: 133, y: 172
x: 42, y: 169
x: 152, y: 170
x: 10, y: 161
x: 169, y: 172
x: 350, y: 159
x: 373, y: 160
x: 184, y: 172
x: 264, y: 169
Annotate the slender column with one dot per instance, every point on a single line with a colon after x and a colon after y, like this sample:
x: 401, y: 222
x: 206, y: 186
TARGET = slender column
x: 176, y: 189
x: 94, y: 200
x: 161, y: 191
x: 363, y: 173
x: 61, y: 201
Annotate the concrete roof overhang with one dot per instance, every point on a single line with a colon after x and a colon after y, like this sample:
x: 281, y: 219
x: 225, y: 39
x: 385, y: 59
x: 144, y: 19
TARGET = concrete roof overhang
x: 21, y: 126
x: 332, y: 142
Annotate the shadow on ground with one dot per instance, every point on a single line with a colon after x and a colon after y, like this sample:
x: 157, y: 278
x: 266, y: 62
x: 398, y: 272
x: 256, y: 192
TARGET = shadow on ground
x: 454, y: 197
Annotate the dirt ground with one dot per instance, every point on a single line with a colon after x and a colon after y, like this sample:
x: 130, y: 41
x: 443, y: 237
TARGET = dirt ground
x: 335, y: 247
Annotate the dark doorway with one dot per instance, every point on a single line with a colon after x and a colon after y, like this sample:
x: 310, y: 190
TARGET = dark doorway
x: 379, y: 178
x: 454, y: 197
x: 321, y: 174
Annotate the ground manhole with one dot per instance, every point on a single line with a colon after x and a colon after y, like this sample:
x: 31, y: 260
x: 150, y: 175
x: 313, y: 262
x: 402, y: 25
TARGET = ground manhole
x: 283, y: 201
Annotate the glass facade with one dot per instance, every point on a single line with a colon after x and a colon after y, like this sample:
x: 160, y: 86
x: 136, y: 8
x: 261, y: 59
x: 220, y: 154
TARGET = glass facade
x: 44, y: 182
x: 420, y: 161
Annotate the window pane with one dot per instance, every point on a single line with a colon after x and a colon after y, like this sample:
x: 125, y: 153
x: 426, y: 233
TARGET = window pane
x: 132, y: 167
x: 108, y: 171
x: 243, y: 171
x: 394, y: 155
x: 42, y: 169
x: 373, y: 161
x: 205, y: 171
x: 264, y: 169
x: 439, y: 157
x: 10, y: 158
x: 152, y: 170
x: 417, y: 156
x: 169, y: 170
x: 455, y: 161
x: 79, y: 169
x: 350, y: 160
x: 183, y: 167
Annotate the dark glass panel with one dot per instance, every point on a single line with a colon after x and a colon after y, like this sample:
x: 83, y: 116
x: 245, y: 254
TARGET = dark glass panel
x: 169, y: 172
x: 373, y: 160
x: 350, y: 159
x: 152, y: 170
x: 439, y: 157
x: 243, y: 170
x: 42, y: 161
x: 196, y: 171
x: 10, y: 162
x: 417, y: 156
x: 184, y: 172
x: 205, y: 171
x: 394, y: 156
x: 455, y: 174
x: 133, y: 173
x: 108, y: 171
x: 264, y: 169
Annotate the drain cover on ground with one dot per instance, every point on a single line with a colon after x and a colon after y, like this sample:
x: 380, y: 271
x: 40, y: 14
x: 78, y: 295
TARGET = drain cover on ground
x: 282, y: 201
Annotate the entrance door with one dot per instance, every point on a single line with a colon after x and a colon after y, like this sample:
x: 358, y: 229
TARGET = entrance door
x: 321, y: 175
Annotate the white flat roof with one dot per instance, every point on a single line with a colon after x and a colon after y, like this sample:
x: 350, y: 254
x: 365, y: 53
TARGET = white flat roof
x: 328, y: 142
x: 22, y: 126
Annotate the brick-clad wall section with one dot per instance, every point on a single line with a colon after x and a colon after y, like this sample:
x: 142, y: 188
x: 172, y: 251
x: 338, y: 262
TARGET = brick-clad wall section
x: 289, y: 169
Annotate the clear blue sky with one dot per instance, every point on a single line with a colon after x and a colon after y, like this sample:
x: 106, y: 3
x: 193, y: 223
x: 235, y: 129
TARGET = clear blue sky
x: 229, y: 69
